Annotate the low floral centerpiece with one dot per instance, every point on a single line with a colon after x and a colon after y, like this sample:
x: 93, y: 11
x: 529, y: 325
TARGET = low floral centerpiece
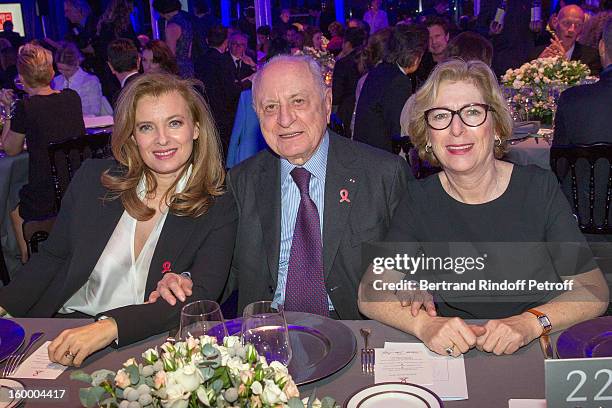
x: 197, y: 373
x: 533, y: 89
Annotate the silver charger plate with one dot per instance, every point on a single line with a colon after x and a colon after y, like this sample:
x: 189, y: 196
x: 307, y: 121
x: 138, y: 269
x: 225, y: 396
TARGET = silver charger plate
x: 393, y: 395
x: 6, y: 385
x: 320, y: 346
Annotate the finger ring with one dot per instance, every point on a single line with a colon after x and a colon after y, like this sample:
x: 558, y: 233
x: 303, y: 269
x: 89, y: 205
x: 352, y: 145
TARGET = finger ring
x: 69, y: 355
x: 450, y: 350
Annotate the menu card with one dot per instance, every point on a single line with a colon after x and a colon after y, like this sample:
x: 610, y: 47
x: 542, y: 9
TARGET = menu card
x: 39, y: 366
x: 526, y: 403
x: 415, y: 363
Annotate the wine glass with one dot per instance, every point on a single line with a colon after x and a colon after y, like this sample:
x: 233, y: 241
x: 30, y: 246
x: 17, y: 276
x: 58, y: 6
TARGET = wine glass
x: 265, y: 327
x: 202, y: 317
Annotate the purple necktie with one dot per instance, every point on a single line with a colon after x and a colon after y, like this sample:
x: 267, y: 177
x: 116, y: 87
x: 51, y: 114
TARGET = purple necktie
x: 305, y: 290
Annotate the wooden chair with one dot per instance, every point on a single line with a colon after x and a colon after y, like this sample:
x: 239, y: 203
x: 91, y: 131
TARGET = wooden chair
x: 65, y: 158
x: 563, y: 156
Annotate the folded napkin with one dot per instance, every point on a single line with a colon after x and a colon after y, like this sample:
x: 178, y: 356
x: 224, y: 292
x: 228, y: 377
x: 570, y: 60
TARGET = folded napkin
x: 523, y: 129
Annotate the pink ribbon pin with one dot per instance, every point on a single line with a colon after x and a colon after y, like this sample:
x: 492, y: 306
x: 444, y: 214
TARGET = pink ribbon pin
x: 344, y: 196
x: 166, y: 267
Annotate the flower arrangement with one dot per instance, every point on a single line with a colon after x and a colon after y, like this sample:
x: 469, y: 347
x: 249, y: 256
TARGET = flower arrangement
x: 535, y: 86
x: 197, y: 373
x: 325, y: 60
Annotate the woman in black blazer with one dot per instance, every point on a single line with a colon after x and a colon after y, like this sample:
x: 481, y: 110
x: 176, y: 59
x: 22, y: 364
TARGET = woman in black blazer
x: 159, y: 207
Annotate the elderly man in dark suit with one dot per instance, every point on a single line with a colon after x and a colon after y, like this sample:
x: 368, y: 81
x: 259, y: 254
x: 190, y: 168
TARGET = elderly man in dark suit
x: 388, y: 87
x: 308, y: 203
x: 570, y: 22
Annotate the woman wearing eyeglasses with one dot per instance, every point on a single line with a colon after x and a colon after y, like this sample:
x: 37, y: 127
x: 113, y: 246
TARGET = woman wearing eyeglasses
x: 513, y: 222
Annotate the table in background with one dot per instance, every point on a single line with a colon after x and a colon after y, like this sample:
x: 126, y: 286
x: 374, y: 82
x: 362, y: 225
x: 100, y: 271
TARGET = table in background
x: 530, y: 151
x: 13, y: 175
x: 492, y: 380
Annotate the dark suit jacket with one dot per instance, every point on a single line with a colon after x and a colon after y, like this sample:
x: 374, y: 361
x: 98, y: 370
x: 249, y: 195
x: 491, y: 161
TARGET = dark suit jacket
x: 344, y: 83
x: 84, y: 225
x: 117, y: 93
x: 221, y: 90
x: 379, y: 180
x: 384, y: 93
x: 583, y: 53
x: 245, y: 69
x: 583, y: 117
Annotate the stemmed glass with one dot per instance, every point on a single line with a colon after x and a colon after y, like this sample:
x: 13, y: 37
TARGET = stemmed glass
x: 265, y: 327
x: 202, y: 317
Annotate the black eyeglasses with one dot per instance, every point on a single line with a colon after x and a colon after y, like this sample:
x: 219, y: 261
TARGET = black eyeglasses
x: 473, y: 115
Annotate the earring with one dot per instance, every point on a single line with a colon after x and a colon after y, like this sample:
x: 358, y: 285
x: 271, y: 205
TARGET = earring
x: 428, y: 147
x: 498, y: 141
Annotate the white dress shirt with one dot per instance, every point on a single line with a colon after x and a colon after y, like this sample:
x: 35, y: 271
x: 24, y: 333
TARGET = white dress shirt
x: 119, y: 278
x: 87, y: 86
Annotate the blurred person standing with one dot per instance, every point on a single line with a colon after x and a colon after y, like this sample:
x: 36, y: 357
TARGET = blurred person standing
x: 7, y: 32
x: 124, y: 63
x: 179, y: 34
x: 376, y: 17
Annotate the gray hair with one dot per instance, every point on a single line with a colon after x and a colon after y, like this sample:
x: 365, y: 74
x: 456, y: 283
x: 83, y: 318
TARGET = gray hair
x: 313, y: 67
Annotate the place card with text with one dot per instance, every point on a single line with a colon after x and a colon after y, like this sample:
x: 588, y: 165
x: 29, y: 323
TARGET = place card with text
x: 38, y: 366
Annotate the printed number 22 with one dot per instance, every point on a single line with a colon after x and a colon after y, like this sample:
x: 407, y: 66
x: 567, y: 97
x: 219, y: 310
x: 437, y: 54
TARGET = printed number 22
x: 583, y: 378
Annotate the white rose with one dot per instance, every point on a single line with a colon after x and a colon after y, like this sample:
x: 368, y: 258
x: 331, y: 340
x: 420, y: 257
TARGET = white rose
x: 160, y: 379
x: 235, y: 365
x: 122, y: 379
x: 189, y: 377
x: 272, y: 394
x: 231, y: 341
x: 192, y: 343
x: 256, y: 388
x: 176, y: 396
x: 131, y: 361
x: 279, y: 367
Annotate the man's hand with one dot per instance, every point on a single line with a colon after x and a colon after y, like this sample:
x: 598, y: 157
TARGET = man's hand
x: 72, y: 346
x: 506, y: 336
x: 171, y: 287
x: 555, y: 49
x: 249, y: 61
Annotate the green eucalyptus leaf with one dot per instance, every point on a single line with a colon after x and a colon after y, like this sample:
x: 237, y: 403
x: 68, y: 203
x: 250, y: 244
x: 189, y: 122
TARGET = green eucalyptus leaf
x: 217, y: 385
x: 133, y: 373
x: 295, y: 403
x: 94, y: 396
x: 209, y: 351
x: 83, y: 396
x: 328, y: 402
x: 207, y: 373
x: 81, y: 376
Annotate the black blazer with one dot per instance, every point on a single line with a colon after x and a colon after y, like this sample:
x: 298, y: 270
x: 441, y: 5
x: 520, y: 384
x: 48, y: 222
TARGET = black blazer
x: 376, y: 181
x: 344, y: 84
x: 384, y: 93
x: 583, y: 53
x: 221, y: 90
x: 245, y: 69
x: 83, y: 227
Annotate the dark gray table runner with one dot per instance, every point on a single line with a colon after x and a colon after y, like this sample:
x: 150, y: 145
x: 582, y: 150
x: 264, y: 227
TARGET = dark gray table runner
x: 492, y: 380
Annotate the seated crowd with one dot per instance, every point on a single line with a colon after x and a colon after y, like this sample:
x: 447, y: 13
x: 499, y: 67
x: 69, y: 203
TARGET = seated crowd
x: 161, y: 222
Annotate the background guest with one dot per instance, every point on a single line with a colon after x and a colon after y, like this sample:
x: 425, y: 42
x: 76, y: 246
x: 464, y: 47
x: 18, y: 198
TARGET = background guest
x: 205, y: 19
x: 313, y: 38
x: 8, y: 63
x: 124, y: 63
x: 263, y: 42
x: 238, y: 61
x: 376, y: 17
x: 470, y: 45
x: 7, y: 32
x: 345, y: 77
x: 568, y: 26
x: 45, y: 116
x: 388, y: 86
x: 179, y: 34
x: 336, y: 32
x: 158, y: 58
x: 68, y: 60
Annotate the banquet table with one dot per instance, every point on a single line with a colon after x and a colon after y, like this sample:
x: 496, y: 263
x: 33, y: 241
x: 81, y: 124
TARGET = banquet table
x: 492, y: 380
x: 530, y: 151
x: 13, y: 175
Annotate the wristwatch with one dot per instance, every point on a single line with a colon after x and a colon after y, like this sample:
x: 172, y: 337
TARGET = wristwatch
x: 543, y: 319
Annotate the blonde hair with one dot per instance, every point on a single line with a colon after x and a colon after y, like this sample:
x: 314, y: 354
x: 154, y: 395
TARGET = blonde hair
x: 456, y: 70
x: 207, y: 175
x: 35, y: 65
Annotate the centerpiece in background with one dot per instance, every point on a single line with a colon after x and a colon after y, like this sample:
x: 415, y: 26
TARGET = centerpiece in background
x: 533, y: 89
x: 323, y: 57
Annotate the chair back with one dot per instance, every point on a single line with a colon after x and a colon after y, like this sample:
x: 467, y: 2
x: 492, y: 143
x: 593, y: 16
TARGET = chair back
x: 563, y: 156
x: 66, y: 157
